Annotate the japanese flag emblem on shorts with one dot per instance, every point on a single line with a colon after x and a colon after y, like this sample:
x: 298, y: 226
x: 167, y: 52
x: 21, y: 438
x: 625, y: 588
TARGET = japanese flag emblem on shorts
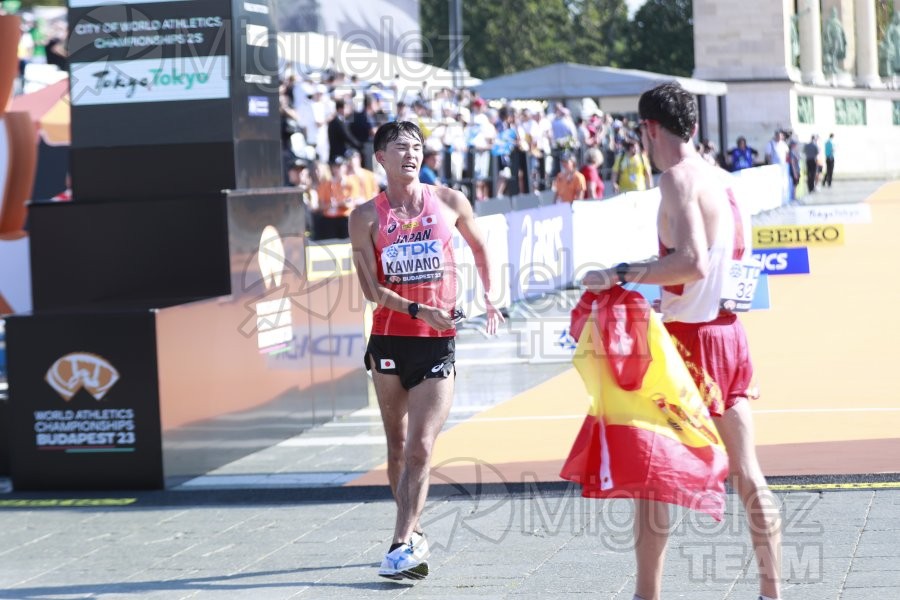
x: 388, y: 363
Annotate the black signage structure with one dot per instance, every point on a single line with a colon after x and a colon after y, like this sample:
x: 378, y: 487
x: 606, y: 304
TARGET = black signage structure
x: 173, y: 97
x: 84, y: 408
x: 171, y: 293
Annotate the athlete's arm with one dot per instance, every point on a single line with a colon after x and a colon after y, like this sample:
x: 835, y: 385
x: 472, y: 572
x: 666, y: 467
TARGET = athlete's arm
x: 680, y: 210
x: 468, y: 228
x: 362, y: 222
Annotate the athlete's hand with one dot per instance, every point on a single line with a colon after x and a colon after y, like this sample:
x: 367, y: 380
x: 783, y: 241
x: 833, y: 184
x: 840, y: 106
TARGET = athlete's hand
x: 494, y: 317
x: 600, y: 280
x: 438, y: 319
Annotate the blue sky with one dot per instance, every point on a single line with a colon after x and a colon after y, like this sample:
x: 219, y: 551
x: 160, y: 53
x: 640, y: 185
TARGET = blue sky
x: 633, y: 5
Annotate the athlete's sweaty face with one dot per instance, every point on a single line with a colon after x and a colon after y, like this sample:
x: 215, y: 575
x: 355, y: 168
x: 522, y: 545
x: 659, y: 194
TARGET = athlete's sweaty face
x: 402, y: 156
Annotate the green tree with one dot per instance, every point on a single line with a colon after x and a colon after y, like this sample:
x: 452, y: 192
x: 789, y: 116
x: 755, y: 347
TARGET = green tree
x: 29, y: 4
x: 600, y: 32
x: 662, y: 37
x: 506, y: 36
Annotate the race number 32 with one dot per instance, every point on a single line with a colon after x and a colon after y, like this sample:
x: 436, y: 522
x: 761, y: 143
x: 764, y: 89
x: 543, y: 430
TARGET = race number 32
x: 740, y: 285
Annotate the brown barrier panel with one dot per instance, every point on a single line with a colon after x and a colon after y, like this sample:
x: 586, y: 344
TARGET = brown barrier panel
x: 9, y: 56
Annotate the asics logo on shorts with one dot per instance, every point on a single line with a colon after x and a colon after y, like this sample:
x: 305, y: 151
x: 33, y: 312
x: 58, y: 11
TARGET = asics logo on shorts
x: 437, y: 368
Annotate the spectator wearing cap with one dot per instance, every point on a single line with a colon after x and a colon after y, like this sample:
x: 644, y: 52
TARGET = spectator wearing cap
x: 631, y: 171
x: 340, y: 139
x: 431, y: 167
x: 311, y: 108
x: 569, y: 184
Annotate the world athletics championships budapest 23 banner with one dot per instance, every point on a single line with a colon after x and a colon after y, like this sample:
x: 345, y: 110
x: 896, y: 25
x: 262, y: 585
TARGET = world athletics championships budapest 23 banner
x: 149, y: 72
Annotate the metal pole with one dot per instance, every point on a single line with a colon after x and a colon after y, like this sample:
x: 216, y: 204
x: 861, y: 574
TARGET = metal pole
x: 701, y: 118
x: 723, y: 128
x: 457, y: 64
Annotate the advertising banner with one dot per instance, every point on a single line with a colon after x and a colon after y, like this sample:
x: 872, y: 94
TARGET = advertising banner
x: 832, y: 213
x: 783, y: 261
x: 621, y: 229
x: 540, y: 256
x: 798, y: 235
x: 470, y: 289
x: 84, y: 402
x: 187, y: 89
x: 153, y: 73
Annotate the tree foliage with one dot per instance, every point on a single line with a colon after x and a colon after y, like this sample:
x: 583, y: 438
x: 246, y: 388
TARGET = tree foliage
x: 662, y: 37
x: 506, y: 36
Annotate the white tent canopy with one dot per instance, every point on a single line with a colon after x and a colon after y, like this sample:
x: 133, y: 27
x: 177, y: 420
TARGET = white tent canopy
x: 313, y: 52
x: 570, y: 80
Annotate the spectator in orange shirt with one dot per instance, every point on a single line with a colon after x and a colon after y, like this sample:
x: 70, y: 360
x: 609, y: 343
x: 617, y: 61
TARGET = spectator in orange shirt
x: 366, y: 181
x: 569, y: 183
x: 337, y: 196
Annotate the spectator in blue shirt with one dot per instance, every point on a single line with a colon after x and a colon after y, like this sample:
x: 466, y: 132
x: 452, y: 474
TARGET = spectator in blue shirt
x: 741, y: 157
x: 431, y: 167
x: 829, y: 161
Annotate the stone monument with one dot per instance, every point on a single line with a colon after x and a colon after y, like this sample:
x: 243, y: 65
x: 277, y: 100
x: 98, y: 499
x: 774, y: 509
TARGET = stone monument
x: 808, y: 67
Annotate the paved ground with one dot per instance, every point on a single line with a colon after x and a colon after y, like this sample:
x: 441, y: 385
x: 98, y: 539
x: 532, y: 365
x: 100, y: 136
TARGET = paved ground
x: 281, y: 523
x: 254, y: 545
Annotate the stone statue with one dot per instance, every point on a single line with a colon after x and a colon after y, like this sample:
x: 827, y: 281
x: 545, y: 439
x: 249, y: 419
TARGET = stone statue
x: 891, y: 46
x: 795, y: 41
x: 834, y: 45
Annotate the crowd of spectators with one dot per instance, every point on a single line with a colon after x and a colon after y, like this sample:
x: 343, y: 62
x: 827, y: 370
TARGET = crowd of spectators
x: 485, y: 149
x: 41, y: 43
x: 802, y: 162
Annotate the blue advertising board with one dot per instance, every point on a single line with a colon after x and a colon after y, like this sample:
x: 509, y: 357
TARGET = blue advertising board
x: 540, y: 255
x: 783, y: 261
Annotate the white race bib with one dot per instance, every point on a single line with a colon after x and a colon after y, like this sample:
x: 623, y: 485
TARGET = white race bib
x: 740, y: 284
x: 413, y: 262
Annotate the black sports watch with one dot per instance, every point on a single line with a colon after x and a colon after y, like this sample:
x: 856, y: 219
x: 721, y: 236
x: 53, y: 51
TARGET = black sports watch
x: 413, y: 310
x: 621, y: 271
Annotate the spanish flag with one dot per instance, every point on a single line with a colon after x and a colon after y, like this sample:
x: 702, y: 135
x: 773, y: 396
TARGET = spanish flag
x: 648, y: 433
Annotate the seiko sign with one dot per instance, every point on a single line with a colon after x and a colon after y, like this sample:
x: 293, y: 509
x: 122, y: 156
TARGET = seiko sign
x: 799, y: 235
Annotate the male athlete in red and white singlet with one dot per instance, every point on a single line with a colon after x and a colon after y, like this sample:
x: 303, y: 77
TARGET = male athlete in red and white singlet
x: 415, y: 259
x: 402, y: 248
x: 700, y: 234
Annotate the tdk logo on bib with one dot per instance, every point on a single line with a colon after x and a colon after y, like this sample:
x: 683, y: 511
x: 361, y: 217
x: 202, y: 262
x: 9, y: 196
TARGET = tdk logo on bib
x: 413, y: 262
x: 783, y: 261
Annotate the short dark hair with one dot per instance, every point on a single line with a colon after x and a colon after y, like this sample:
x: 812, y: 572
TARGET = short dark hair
x: 671, y: 106
x: 389, y: 132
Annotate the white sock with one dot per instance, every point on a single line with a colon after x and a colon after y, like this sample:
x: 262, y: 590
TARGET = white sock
x: 761, y: 597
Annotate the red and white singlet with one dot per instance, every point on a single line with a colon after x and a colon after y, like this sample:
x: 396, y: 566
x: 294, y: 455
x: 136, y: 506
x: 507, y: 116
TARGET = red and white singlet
x: 698, y: 301
x: 415, y: 259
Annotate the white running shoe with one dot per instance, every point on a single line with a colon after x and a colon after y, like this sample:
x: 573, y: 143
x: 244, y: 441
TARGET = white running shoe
x: 402, y: 563
x: 419, y: 544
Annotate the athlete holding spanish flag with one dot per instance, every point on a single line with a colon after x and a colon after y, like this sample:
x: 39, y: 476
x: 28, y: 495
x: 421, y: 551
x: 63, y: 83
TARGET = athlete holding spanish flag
x: 403, y: 251
x: 701, y: 237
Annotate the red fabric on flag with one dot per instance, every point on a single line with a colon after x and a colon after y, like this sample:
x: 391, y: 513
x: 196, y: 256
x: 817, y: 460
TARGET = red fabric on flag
x: 622, y: 317
x: 648, y: 433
